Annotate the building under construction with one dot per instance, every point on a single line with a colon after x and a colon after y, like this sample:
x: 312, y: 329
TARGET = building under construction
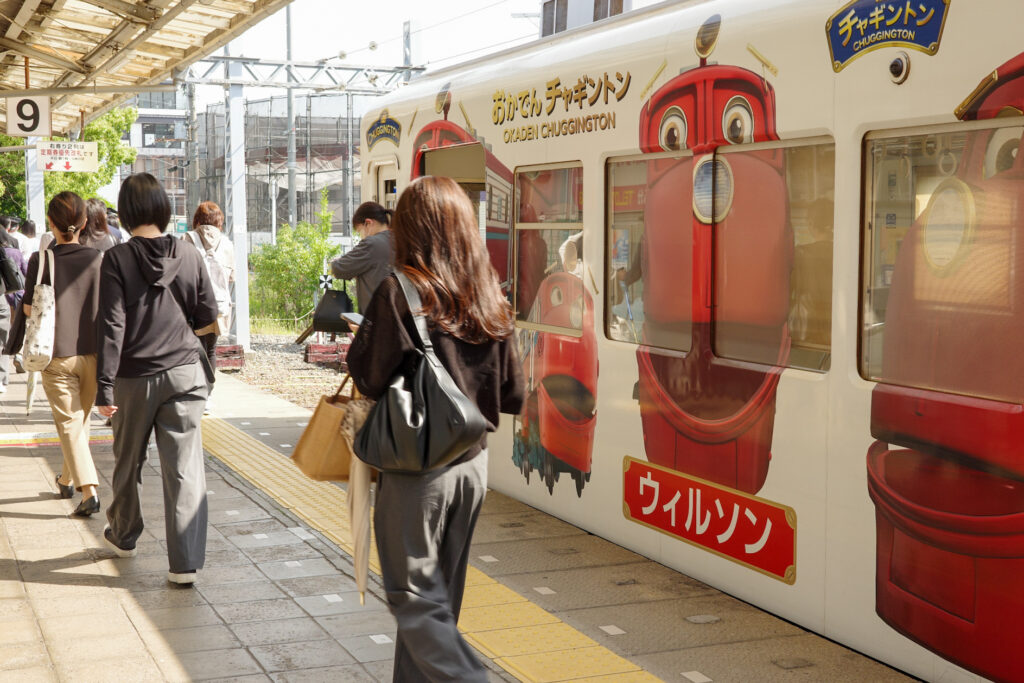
x: 326, y: 156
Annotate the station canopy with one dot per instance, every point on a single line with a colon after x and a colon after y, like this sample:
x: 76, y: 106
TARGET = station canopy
x: 110, y: 45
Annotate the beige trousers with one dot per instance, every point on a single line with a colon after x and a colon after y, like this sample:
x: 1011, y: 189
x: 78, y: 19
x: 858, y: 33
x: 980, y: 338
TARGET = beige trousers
x: 70, y: 385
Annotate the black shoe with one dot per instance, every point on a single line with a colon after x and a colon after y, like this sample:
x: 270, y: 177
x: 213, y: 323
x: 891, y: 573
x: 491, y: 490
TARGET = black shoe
x: 87, y: 507
x: 64, y: 490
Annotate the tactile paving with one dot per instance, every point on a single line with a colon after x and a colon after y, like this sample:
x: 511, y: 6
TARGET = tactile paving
x: 527, y: 641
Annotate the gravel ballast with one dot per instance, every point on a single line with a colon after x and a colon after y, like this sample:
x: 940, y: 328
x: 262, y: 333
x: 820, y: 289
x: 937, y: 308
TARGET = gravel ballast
x: 276, y: 366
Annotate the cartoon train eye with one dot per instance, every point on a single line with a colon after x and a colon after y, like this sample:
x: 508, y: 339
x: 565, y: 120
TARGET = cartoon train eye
x: 556, y: 296
x: 738, y: 121
x: 672, y: 135
x: 1001, y: 153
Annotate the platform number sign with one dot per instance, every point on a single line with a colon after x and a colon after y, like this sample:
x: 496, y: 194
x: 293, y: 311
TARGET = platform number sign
x: 28, y: 117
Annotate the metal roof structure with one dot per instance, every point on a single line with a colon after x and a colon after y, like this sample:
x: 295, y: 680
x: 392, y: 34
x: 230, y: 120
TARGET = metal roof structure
x: 92, y: 55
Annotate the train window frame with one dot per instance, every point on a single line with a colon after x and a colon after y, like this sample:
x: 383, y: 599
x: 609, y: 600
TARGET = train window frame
x: 819, y: 356
x: 870, y: 323
x: 608, y: 271
x: 517, y: 226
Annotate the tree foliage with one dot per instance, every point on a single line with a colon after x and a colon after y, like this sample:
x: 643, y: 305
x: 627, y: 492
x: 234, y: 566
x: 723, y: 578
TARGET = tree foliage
x: 108, y: 131
x: 286, y: 275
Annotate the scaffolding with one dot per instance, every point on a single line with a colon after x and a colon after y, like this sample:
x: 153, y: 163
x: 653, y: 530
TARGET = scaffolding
x: 323, y: 129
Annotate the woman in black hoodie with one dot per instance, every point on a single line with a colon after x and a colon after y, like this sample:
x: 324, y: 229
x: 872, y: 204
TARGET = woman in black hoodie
x: 155, y: 295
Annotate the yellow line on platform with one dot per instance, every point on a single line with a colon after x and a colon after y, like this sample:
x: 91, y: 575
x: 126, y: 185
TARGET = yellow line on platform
x: 525, y: 640
x: 30, y: 441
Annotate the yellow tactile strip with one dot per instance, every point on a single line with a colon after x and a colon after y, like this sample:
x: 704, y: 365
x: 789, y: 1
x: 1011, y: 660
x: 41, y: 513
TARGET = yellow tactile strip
x: 525, y: 640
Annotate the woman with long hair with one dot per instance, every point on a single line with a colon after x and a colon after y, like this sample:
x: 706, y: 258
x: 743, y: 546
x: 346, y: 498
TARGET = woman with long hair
x: 155, y: 297
x: 369, y: 262
x: 97, y: 234
x: 424, y: 522
x: 70, y: 379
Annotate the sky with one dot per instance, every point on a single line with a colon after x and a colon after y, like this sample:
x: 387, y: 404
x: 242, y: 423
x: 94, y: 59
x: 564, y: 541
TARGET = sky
x: 444, y: 33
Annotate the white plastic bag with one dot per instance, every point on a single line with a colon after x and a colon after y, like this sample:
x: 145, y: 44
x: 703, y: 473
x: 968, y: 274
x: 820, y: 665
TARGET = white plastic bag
x: 39, y: 329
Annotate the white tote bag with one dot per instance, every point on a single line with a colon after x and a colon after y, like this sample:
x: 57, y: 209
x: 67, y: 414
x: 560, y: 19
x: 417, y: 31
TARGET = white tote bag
x: 39, y: 329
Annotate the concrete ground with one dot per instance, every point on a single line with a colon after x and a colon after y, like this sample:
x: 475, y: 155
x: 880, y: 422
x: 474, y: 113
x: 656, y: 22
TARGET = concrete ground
x: 277, y: 601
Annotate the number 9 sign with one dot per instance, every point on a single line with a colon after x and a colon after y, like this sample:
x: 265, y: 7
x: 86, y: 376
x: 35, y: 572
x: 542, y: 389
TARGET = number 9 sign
x: 28, y: 117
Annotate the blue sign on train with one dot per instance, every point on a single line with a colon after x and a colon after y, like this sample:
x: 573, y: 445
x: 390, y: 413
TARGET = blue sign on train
x: 865, y: 25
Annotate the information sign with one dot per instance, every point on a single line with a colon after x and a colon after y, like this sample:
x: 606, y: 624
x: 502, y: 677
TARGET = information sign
x: 28, y: 117
x: 81, y: 157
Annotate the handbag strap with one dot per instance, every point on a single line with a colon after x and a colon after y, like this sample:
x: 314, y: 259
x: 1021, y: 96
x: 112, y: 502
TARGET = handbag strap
x: 42, y: 267
x: 341, y: 386
x: 413, y: 299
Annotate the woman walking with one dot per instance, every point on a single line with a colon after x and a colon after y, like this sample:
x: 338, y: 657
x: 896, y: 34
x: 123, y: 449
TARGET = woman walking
x: 369, y: 262
x: 96, y: 234
x: 70, y: 379
x: 425, y: 522
x: 153, y: 375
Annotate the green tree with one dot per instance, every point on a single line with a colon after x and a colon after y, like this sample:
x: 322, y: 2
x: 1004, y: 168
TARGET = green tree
x: 108, y: 131
x: 286, y: 275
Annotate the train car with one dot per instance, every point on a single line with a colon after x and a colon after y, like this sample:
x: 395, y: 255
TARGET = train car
x: 767, y: 265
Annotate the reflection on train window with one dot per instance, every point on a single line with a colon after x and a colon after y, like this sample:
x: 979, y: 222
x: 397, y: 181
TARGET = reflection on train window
x: 943, y: 261
x: 649, y: 247
x: 549, y: 249
x: 772, y: 291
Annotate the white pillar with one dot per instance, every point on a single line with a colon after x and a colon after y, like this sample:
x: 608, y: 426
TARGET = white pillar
x: 234, y: 178
x: 35, y: 196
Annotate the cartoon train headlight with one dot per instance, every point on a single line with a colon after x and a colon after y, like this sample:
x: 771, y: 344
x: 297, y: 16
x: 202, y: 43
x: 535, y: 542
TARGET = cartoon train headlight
x: 949, y: 223
x: 576, y: 313
x: 738, y: 121
x: 712, y: 190
x: 672, y: 132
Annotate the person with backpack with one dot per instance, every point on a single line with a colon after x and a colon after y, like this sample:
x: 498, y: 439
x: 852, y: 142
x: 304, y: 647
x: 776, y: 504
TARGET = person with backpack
x: 208, y: 237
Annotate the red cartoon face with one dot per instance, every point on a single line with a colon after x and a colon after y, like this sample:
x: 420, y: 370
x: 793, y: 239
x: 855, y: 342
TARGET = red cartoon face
x: 717, y: 254
x: 740, y: 103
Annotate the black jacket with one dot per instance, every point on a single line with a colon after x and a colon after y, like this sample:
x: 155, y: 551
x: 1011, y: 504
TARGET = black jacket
x: 489, y: 373
x: 148, y: 288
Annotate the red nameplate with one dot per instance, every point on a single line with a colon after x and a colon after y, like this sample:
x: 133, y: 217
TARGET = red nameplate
x: 752, y: 531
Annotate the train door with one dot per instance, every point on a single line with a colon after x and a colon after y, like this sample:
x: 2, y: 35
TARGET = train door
x: 488, y: 185
x: 386, y: 184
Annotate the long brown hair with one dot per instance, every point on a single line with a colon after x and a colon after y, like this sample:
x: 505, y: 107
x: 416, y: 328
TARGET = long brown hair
x: 438, y: 246
x: 96, y: 221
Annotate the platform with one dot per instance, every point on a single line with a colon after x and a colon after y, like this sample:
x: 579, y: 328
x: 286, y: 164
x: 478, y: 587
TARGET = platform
x: 545, y: 600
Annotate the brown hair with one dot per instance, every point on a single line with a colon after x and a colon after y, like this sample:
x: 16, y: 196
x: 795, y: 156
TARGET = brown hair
x: 372, y: 211
x: 438, y: 246
x: 67, y: 212
x: 96, y: 222
x: 208, y: 213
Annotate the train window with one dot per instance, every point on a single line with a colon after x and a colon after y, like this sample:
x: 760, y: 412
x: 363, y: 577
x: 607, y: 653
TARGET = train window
x: 772, y: 209
x: 943, y: 259
x: 650, y: 250
x: 549, y: 293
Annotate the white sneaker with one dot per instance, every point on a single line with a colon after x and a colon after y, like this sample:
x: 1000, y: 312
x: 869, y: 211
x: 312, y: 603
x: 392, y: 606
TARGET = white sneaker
x: 183, y: 578
x: 3, y: 388
x: 118, y: 550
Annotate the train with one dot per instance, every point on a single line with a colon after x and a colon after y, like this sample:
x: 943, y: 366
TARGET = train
x: 767, y: 266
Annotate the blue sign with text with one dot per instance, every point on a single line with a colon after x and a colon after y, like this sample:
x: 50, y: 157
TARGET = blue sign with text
x: 865, y: 25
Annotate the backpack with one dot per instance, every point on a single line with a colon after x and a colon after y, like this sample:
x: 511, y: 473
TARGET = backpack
x: 218, y: 275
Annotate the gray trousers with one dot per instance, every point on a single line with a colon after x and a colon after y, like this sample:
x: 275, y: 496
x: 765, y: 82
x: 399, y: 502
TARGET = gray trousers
x: 6, y: 316
x: 170, y: 404
x: 424, y: 526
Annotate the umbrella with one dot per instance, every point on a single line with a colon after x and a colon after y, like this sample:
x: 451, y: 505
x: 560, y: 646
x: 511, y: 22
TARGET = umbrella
x: 30, y: 391
x: 359, y: 520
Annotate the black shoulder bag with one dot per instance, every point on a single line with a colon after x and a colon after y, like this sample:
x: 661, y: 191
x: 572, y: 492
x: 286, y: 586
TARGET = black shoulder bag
x: 13, y: 281
x: 422, y: 422
x: 327, y: 316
